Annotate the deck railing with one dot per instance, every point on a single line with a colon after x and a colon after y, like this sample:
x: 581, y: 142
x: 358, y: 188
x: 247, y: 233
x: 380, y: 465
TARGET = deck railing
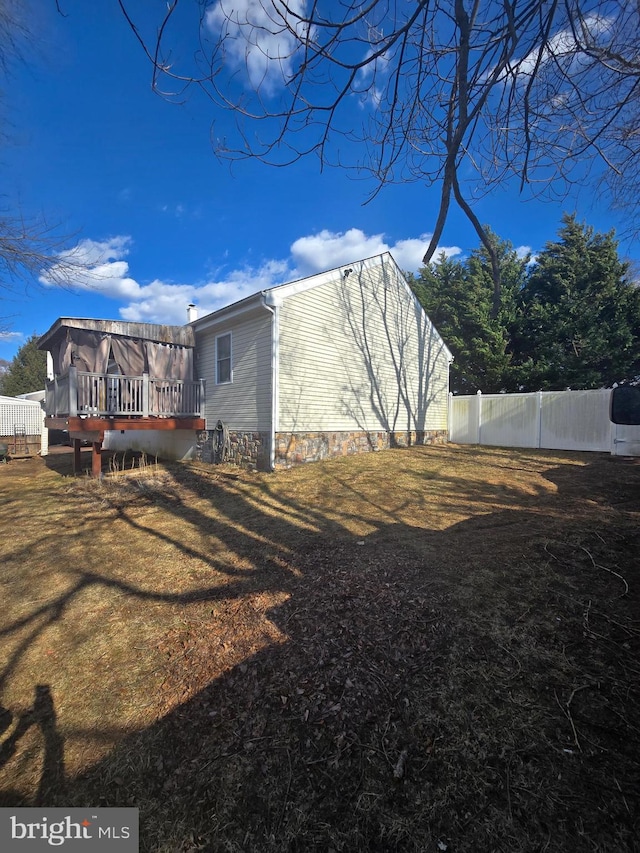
x: 106, y: 395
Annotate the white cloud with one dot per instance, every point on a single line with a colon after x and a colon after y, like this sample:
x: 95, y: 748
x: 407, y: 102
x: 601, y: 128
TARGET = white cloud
x: 97, y: 266
x: 261, y: 38
x: 523, y: 252
x: 105, y: 271
x: 178, y: 210
x: 329, y: 249
x: 163, y: 302
x: 370, y: 81
x: 564, y: 44
x: 409, y: 253
x: 11, y: 337
x: 98, y: 251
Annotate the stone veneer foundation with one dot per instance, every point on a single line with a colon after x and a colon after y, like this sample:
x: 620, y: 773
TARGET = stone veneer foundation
x: 298, y: 448
x: 246, y: 449
x: 251, y: 450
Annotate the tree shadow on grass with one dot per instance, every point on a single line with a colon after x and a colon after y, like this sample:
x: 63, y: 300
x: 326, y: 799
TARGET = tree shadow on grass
x: 472, y: 687
x: 428, y: 694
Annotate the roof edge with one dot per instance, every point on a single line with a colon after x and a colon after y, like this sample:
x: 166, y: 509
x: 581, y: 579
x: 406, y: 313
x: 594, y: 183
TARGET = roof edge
x: 178, y: 335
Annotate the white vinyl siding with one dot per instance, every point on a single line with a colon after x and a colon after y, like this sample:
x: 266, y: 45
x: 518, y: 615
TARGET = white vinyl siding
x: 359, y: 353
x: 245, y: 403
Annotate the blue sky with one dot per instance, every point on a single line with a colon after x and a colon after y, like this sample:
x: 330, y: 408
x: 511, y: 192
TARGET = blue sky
x: 133, y: 183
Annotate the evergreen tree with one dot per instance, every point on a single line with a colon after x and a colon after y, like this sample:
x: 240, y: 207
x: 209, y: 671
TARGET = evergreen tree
x: 27, y: 372
x: 458, y: 297
x: 580, y: 320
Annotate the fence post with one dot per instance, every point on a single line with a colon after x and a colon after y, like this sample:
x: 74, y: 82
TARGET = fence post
x: 44, y: 434
x: 539, y: 423
x: 479, y: 419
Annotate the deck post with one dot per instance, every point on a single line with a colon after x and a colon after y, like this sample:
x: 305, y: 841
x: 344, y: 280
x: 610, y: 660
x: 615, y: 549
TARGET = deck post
x: 145, y: 395
x: 76, y: 456
x: 96, y: 459
x: 73, y: 391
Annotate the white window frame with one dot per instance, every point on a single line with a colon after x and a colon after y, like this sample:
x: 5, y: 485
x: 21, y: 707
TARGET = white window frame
x: 218, y: 359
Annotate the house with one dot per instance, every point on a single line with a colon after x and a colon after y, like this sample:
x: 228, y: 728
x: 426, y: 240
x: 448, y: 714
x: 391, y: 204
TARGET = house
x: 341, y: 362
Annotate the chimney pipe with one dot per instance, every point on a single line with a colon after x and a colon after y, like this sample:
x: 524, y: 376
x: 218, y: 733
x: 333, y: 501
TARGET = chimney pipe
x: 192, y: 313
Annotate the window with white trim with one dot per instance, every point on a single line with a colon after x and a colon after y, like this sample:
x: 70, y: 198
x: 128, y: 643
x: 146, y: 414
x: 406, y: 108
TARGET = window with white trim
x: 223, y: 359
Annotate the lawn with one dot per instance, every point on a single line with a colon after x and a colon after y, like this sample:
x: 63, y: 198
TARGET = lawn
x: 418, y: 650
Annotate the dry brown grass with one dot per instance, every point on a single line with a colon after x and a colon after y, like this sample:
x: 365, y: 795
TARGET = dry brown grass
x: 400, y: 651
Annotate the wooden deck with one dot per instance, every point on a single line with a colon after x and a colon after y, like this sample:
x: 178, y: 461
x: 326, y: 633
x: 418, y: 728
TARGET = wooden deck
x: 86, y: 405
x: 112, y: 395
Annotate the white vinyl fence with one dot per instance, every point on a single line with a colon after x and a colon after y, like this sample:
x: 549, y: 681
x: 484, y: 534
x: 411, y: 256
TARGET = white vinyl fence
x: 554, y: 420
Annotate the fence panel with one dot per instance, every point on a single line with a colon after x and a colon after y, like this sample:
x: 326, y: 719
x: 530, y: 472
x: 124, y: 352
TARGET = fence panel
x: 554, y: 420
x: 509, y: 420
x: 463, y: 420
x: 576, y: 420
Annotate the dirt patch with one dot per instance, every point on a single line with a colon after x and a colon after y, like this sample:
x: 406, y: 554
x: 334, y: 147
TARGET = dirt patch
x: 425, y: 649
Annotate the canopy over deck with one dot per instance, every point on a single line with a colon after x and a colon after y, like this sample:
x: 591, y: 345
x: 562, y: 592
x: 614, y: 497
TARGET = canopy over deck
x: 165, y: 352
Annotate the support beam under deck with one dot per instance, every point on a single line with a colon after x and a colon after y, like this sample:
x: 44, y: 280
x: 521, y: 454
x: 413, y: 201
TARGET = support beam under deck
x: 93, y: 425
x: 93, y: 430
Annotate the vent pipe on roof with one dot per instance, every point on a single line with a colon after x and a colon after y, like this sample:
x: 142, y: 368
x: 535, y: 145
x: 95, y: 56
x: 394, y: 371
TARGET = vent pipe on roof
x: 192, y: 313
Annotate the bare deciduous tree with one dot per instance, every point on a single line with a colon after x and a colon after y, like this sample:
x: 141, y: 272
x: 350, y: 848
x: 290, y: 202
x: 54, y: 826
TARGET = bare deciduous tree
x: 30, y: 247
x: 459, y: 94
x: 32, y: 250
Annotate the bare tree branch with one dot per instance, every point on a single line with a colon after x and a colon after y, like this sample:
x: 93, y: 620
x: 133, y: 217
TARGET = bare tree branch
x: 460, y: 94
x: 30, y: 248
